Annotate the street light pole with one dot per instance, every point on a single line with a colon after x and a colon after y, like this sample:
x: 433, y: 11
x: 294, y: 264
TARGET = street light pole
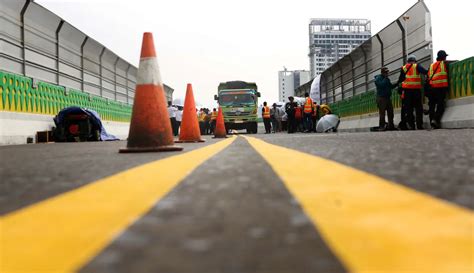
x: 405, y: 19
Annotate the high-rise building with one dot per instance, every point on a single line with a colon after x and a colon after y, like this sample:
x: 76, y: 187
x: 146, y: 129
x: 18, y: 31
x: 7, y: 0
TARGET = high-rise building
x: 288, y: 81
x: 332, y: 39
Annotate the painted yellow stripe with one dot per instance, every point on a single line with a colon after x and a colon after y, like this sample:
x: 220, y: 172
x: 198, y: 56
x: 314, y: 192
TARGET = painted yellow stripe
x: 63, y: 233
x: 371, y: 224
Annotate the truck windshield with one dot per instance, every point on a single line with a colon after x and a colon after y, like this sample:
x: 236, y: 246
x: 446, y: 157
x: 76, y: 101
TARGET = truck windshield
x: 236, y: 99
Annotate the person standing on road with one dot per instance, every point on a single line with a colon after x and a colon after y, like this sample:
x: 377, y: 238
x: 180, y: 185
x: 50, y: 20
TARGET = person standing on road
x: 202, y: 120
x: 410, y: 77
x: 213, y: 120
x: 179, y: 117
x: 384, y: 101
x: 273, y: 118
x: 172, y: 114
x: 439, y: 88
x: 299, y: 118
x: 278, y: 117
x: 284, y: 121
x: 315, y: 116
x: 307, y: 113
x: 266, y: 118
x: 290, y: 112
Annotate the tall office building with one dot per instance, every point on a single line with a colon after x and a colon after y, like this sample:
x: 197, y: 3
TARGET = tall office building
x: 332, y: 39
x: 288, y: 81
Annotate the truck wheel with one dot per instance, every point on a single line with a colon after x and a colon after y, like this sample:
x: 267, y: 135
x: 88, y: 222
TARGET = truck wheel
x: 252, y: 128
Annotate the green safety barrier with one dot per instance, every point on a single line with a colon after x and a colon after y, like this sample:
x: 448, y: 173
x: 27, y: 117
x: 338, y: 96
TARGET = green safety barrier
x: 461, y: 82
x: 17, y: 94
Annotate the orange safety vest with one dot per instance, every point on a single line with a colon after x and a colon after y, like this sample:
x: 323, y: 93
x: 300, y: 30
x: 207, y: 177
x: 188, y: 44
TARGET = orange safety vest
x: 266, y: 112
x: 308, y: 106
x: 214, y: 115
x: 440, y: 77
x: 412, y: 77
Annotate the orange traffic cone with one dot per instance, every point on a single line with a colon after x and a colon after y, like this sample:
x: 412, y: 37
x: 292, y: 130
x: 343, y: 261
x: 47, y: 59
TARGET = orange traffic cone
x: 150, y: 127
x: 189, y: 131
x: 220, y: 131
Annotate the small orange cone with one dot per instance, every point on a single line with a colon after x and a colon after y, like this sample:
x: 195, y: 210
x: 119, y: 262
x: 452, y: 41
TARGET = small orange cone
x: 189, y: 131
x: 220, y: 131
x: 150, y: 127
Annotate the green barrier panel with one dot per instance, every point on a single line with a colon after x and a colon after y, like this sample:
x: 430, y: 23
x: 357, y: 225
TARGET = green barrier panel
x: 2, y: 90
x: 18, y: 94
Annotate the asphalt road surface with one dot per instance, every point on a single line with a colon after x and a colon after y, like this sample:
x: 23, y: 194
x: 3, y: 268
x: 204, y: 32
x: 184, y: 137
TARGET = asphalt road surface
x: 268, y: 203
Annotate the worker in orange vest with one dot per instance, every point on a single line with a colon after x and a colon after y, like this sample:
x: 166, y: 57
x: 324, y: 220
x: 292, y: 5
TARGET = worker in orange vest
x: 266, y: 118
x: 410, y: 77
x: 307, y: 113
x: 213, y: 120
x: 439, y: 87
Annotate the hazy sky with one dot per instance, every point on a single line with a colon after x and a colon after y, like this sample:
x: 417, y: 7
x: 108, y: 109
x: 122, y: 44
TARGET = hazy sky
x: 210, y: 41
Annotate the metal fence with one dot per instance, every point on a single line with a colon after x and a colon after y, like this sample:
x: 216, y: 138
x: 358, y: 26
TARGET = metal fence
x: 354, y: 73
x: 36, y: 43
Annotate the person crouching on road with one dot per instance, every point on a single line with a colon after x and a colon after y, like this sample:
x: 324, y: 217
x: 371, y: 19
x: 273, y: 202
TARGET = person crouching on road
x: 410, y: 77
x: 266, y: 118
x: 384, y: 102
x: 307, y: 113
x: 439, y: 88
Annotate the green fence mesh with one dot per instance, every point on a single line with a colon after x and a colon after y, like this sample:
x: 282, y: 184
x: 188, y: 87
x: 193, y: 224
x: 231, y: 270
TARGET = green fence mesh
x: 18, y: 95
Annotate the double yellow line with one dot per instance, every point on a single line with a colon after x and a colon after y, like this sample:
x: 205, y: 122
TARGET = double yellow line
x: 372, y: 225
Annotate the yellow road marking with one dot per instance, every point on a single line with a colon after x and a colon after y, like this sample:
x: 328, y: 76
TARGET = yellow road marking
x: 64, y: 232
x: 371, y: 224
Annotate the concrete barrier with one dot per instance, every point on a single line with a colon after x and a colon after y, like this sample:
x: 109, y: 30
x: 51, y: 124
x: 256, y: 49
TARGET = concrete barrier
x: 16, y: 128
x: 459, y: 114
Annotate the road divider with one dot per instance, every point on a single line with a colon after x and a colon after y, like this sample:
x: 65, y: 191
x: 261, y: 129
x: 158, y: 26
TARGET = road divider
x: 63, y: 233
x: 371, y: 224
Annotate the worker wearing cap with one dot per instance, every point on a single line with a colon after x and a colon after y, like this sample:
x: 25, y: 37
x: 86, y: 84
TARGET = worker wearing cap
x: 384, y: 102
x: 410, y: 77
x: 439, y: 87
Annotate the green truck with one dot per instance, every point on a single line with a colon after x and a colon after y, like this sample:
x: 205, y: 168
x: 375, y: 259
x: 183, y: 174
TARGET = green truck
x: 239, y: 102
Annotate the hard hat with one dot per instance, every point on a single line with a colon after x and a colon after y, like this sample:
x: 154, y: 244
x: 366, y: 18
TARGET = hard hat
x: 412, y: 57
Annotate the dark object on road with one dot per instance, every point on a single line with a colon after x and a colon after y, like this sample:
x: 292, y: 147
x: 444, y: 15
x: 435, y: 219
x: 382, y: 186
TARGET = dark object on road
x: 75, y: 124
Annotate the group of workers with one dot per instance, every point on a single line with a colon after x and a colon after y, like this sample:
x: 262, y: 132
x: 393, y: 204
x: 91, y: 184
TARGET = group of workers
x: 410, y: 84
x: 207, y: 119
x: 294, y: 117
